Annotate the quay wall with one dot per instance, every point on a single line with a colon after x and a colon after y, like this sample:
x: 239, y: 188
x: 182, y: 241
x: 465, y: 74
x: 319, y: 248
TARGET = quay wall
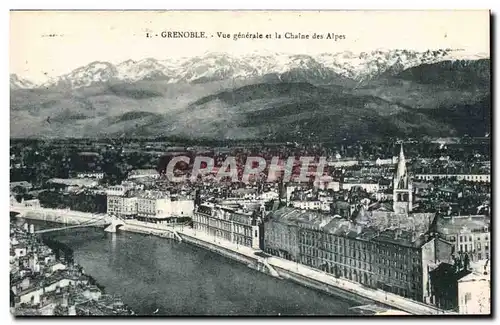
x: 213, y: 247
x: 323, y: 287
x: 296, y: 273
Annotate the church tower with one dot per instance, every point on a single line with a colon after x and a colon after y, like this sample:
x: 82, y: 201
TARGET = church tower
x: 402, y: 187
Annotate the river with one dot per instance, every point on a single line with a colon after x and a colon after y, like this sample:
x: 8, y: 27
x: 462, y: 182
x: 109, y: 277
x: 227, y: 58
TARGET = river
x: 151, y: 273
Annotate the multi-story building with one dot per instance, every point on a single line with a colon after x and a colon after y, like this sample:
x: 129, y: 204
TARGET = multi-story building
x: 118, y: 190
x: 312, y: 205
x: 229, y: 224
x: 474, y: 290
x: 281, y: 232
x: 90, y: 175
x: 485, y: 178
x: 123, y: 206
x: 385, y: 161
x: 346, y: 162
x: 122, y: 201
x: 159, y: 206
x: 393, y: 260
x: 468, y: 234
x: 370, y: 187
x: 326, y: 182
x: 143, y: 173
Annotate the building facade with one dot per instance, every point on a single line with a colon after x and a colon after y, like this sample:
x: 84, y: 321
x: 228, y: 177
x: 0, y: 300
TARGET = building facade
x: 484, y: 178
x: 90, y: 175
x: 368, y: 187
x: 474, y: 290
x: 160, y: 206
x: 123, y: 206
x: 281, y: 234
x: 228, y: 224
x: 393, y: 260
x: 469, y: 234
x: 143, y: 173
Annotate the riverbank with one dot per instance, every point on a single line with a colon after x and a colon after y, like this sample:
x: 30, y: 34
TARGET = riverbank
x: 274, y: 266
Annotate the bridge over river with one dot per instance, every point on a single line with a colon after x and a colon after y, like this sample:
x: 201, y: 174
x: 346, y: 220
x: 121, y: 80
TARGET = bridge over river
x: 94, y: 224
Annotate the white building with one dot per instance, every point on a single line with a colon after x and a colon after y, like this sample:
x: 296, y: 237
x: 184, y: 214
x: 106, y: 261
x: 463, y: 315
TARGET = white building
x: 343, y: 163
x: 312, y: 205
x: 225, y: 223
x: 121, y: 201
x: 270, y: 195
x: 469, y: 234
x: 34, y: 203
x: 485, y: 178
x: 386, y: 161
x: 160, y: 205
x: 90, y: 175
x: 142, y: 173
x: 327, y: 183
x: 368, y: 187
x: 474, y: 290
x: 119, y: 190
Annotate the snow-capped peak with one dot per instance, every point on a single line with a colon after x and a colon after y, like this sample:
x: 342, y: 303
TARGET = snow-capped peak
x: 19, y: 83
x: 220, y: 66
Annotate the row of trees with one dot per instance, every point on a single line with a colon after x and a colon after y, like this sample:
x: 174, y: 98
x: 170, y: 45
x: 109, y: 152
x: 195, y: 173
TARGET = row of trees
x: 83, y: 201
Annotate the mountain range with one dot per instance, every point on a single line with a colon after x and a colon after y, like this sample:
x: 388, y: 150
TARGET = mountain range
x: 326, y: 96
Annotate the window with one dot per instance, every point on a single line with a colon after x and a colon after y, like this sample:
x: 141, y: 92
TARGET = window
x: 468, y: 296
x: 461, y: 239
x: 470, y: 238
x: 478, y: 246
x: 256, y: 234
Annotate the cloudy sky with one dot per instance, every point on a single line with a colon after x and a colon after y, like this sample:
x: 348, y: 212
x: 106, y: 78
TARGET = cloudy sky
x: 53, y: 43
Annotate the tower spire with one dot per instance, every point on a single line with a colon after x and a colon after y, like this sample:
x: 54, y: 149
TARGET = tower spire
x: 402, y: 187
x: 401, y: 170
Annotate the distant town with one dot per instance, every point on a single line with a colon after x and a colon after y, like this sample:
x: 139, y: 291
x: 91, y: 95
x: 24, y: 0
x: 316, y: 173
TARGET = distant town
x: 404, y: 223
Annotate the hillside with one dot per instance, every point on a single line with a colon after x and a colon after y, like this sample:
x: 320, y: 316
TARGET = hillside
x: 446, y: 98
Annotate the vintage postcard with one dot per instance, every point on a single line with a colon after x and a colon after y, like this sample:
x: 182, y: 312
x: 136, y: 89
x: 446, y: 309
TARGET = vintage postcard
x: 250, y: 163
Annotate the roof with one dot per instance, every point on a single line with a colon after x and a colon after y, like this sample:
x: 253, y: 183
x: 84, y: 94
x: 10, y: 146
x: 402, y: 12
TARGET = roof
x: 143, y: 172
x: 454, y: 225
x: 475, y: 276
x: 302, y: 218
x: 74, y: 181
x: 400, y: 237
x: 207, y: 208
x: 20, y: 183
x: 342, y: 227
x: 153, y: 195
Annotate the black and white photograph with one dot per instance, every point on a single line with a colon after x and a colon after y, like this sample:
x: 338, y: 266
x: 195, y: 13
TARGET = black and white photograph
x: 250, y: 163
